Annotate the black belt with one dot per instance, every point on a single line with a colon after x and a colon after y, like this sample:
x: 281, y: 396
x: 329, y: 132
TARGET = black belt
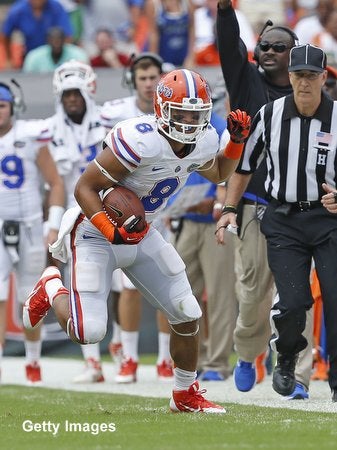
x: 302, y: 206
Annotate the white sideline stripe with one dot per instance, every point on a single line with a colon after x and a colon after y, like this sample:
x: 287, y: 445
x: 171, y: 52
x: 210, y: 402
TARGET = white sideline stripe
x: 58, y: 373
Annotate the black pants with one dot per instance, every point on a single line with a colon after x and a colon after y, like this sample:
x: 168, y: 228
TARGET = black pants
x: 293, y: 240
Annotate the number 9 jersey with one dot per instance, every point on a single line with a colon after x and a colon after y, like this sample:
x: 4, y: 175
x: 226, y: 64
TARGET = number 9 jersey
x: 20, y: 180
x: 156, y: 172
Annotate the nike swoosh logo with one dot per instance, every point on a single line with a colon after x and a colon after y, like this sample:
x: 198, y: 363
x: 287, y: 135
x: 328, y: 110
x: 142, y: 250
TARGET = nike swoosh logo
x: 187, y: 408
x: 86, y: 236
x: 154, y: 169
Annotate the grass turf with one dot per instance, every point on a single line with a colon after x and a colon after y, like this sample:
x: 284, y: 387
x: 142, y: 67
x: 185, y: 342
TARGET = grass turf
x: 146, y: 423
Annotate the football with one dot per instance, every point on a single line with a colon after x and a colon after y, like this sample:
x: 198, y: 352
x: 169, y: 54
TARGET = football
x: 120, y: 204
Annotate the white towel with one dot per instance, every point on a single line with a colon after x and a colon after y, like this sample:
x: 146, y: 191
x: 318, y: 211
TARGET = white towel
x: 59, y: 248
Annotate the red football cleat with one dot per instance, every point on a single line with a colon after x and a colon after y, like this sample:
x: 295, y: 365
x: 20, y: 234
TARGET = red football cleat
x: 37, y: 305
x: 33, y: 373
x: 127, y: 372
x: 192, y: 400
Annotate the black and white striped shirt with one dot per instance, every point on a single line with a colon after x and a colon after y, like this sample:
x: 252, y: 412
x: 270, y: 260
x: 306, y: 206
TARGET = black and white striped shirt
x: 301, y: 152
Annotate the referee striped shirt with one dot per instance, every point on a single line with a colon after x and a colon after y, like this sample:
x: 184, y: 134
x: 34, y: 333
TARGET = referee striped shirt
x: 300, y: 151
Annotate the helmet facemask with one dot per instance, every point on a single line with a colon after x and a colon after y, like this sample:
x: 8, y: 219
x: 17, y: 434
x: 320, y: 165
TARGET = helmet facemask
x: 174, y: 125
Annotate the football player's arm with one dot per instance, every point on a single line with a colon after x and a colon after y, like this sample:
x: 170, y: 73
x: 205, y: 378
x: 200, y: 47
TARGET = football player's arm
x: 105, y: 171
x: 102, y: 174
x: 56, y: 192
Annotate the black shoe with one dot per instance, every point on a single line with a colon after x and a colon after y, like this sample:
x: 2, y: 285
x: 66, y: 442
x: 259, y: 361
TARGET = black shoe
x: 284, y: 374
x: 334, y: 394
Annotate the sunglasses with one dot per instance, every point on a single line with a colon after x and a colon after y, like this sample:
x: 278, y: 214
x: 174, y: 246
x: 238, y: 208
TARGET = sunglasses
x: 278, y: 47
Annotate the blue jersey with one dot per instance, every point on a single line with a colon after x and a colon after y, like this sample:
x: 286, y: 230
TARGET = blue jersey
x: 34, y: 29
x: 173, y: 35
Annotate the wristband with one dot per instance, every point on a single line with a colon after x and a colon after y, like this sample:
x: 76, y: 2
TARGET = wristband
x: 55, y: 216
x: 102, y: 222
x: 229, y: 209
x: 233, y: 150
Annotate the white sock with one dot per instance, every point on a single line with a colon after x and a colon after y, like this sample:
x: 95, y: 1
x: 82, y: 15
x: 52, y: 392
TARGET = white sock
x: 91, y: 351
x: 52, y: 286
x: 183, y: 379
x: 163, y: 347
x: 116, y: 333
x: 129, y: 340
x: 33, y: 351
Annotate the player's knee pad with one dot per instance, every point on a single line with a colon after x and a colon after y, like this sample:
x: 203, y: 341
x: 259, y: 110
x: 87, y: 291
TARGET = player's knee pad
x: 94, y: 331
x: 88, y: 276
x: 187, y: 309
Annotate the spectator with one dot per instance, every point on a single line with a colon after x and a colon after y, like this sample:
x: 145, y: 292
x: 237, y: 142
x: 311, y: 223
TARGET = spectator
x: 171, y: 30
x: 25, y: 161
x: 206, y: 50
x: 297, y: 227
x: 251, y: 87
x: 183, y: 107
x: 47, y: 58
x: 327, y: 38
x: 119, y: 16
x: 33, y: 18
x: 307, y: 27
x: 108, y: 54
x: 74, y: 10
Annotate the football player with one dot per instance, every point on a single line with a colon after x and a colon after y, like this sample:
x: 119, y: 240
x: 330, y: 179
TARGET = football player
x: 142, y: 78
x: 24, y: 161
x: 152, y: 156
x: 77, y: 138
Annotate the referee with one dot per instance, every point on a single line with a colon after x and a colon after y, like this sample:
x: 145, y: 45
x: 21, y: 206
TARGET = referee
x: 298, y: 134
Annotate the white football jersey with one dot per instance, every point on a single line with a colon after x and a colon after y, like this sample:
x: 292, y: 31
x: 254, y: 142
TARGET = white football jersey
x: 73, y: 147
x: 115, y: 111
x: 155, y: 170
x: 20, y: 179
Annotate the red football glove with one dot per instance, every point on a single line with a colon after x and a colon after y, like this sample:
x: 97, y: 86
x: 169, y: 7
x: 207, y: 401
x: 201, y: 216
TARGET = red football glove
x: 127, y: 234
x: 238, y: 124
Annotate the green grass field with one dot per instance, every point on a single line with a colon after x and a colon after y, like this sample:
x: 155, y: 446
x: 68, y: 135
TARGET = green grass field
x: 146, y: 423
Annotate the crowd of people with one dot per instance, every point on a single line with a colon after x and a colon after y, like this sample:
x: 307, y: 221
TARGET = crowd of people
x: 231, y: 270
